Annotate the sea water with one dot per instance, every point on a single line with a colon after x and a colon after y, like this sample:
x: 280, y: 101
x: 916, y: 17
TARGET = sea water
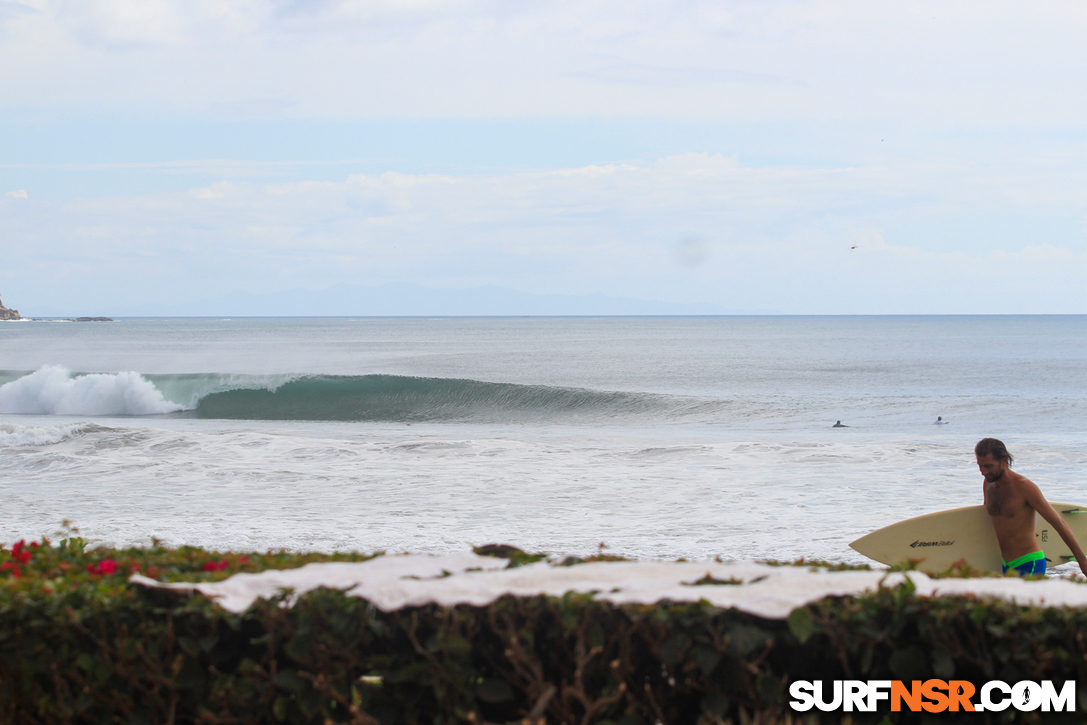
x: 657, y: 437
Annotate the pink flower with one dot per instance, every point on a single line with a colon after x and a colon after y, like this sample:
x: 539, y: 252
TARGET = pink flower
x: 215, y: 565
x: 106, y: 567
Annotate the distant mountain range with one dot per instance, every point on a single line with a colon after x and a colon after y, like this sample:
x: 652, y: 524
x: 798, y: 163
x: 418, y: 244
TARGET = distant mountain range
x: 413, y: 300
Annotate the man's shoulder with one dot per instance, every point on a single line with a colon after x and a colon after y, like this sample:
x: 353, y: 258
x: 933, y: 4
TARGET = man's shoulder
x: 1020, y: 480
x: 1027, y: 489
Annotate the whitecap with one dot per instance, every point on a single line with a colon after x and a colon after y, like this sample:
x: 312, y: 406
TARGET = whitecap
x: 52, y: 390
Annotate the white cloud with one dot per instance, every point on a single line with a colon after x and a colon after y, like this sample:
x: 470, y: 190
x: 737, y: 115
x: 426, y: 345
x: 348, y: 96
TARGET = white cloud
x: 1047, y: 253
x: 392, y: 179
x: 119, y: 24
x: 692, y: 228
x: 899, y: 62
x: 700, y: 162
x: 20, y: 194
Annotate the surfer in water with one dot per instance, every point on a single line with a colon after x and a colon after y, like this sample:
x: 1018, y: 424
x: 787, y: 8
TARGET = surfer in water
x: 1012, y: 500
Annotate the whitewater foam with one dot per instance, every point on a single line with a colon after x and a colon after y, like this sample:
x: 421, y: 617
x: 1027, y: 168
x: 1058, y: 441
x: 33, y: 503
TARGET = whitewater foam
x: 52, y: 390
x: 13, y: 436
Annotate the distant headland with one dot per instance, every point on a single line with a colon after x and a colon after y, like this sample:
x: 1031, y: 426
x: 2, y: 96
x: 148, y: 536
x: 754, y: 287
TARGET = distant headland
x: 6, y: 314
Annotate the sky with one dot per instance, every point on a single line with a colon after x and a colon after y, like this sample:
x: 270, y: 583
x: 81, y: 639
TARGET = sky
x: 808, y: 157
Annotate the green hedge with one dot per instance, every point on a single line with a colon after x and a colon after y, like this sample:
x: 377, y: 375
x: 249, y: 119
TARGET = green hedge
x: 85, y: 647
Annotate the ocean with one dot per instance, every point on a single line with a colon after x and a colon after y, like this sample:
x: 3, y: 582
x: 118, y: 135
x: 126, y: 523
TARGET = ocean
x: 655, y: 437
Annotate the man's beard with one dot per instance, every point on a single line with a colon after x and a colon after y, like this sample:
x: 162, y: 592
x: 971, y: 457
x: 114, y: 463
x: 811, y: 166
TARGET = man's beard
x: 994, y: 477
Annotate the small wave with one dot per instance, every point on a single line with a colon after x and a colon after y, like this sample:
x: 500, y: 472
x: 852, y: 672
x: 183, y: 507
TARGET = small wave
x: 14, y: 436
x: 53, y: 390
x: 671, y: 451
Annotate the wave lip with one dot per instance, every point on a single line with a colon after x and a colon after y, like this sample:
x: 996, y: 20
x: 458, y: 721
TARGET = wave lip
x: 53, y: 390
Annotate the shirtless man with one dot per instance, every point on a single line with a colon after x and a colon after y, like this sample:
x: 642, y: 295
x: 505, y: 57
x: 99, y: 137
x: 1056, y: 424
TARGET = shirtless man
x: 1012, y: 501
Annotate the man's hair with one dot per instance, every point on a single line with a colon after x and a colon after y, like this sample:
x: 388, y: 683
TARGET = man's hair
x: 993, y: 447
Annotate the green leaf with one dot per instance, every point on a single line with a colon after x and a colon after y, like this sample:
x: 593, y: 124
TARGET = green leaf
x: 770, y: 689
x: 279, y: 708
x: 707, y: 659
x: 674, y: 648
x: 494, y: 691
x: 802, y: 624
x: 191, y: 676
x: 290, y: 681
x: 454, y: 644
x: 909, y: 664
x: 943, y: 664
x: 716, y: 704
x: 746, y: 639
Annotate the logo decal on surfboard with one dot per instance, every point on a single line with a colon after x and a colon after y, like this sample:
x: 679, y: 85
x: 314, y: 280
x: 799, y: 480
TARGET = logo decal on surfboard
x: 917, y: 543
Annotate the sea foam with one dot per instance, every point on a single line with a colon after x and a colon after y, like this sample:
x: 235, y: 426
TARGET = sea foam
x: 12, y: 436
x: 52, y: 390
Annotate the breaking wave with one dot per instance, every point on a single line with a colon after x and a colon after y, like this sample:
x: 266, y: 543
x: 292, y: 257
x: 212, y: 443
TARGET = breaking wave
x: 14, y: 436
x: 409, y: 399
x: 54, y: 390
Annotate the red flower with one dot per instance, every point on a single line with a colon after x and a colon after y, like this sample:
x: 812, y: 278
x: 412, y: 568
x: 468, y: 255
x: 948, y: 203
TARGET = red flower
x: 20, y: 554
x: 106, y: 567
x: 215, y: 565
x: 243, y: 559
x: 14, y: 569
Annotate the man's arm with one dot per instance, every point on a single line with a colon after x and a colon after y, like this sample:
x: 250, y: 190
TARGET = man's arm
x: 1037, y: 501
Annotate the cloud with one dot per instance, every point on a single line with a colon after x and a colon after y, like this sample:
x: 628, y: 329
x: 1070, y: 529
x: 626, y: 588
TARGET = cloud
x: 896, y: 62
x: 948, y: 151
x: 689, y: 228
x: 1047, y: 253
x: 214, y: 167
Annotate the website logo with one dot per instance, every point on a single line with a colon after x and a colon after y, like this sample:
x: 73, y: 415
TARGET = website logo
x: 931, y: 696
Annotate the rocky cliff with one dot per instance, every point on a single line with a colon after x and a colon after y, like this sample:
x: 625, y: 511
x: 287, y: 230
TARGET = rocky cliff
x: 6, y: 314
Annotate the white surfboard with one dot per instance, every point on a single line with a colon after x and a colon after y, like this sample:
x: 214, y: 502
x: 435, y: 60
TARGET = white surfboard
x: 943, y: 538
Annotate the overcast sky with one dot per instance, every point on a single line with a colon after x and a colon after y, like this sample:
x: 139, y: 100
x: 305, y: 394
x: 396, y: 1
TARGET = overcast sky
x: 805, y: 157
